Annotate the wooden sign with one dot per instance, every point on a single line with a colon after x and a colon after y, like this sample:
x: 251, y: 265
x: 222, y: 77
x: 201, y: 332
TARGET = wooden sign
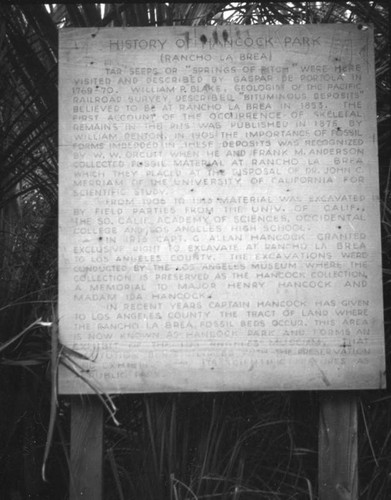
x: 219, y: 211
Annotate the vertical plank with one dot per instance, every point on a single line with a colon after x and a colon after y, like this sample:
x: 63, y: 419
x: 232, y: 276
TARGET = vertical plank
x: 86, y: 448
x: 338, y: 475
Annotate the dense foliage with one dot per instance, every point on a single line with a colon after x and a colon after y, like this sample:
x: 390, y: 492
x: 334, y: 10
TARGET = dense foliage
x: 217, y: 446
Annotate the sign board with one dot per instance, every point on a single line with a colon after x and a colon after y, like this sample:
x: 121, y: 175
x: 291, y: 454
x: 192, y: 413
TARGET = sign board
x: 219, y: 210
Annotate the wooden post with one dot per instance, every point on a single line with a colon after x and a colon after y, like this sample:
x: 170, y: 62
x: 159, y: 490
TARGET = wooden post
x: 338, y: 475
x: 86, y: 449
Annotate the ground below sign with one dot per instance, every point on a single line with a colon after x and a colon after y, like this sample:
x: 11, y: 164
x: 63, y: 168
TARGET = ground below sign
x: 219, y: 213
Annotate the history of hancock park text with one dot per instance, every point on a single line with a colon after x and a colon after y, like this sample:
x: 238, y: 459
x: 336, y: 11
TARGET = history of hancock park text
x: 219, y: 218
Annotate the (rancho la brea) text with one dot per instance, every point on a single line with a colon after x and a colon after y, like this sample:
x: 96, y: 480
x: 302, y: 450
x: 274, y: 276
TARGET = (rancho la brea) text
x: 219, y: 213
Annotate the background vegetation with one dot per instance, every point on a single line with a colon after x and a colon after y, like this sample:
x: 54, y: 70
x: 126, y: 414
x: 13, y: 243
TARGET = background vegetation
x: 213, y: 446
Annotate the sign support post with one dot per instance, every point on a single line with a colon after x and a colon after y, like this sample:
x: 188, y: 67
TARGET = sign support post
x: 86, y: 465
x: 337, y: 446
